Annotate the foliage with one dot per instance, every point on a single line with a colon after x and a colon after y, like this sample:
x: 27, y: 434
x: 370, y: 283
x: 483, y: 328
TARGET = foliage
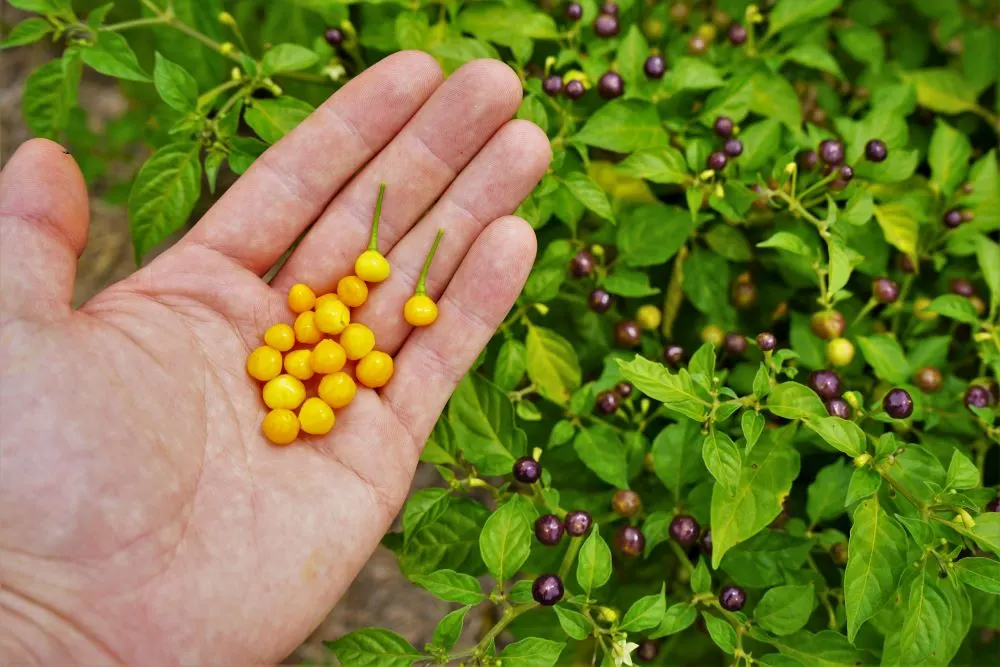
x: 858, y: 540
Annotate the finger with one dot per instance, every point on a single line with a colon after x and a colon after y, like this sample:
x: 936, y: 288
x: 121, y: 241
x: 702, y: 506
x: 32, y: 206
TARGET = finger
x: 43, y: 227
x: 493, y: 185
x: 434, y: 360
x: 417, y: 166
x: 292, y: 182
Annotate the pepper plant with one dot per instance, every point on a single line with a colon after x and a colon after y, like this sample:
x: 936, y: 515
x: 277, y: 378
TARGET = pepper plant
x: 745, y: 409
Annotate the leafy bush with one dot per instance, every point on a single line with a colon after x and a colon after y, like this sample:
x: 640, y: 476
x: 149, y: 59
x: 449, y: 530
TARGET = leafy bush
x: 778, y: 498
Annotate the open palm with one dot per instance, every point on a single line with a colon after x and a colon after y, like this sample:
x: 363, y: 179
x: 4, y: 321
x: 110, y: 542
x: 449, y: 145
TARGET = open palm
x: 145, y: 518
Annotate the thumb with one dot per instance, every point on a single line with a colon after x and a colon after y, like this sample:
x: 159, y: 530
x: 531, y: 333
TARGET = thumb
x: 43, y: 227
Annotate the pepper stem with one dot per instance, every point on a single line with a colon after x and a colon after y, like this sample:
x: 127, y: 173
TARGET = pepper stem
x: 422, y: 281
x: 373, y: 244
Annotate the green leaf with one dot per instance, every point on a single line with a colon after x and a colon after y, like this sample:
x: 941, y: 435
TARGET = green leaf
x: 721, y: 632
x: 792, y: 12
x: 752, y: 424
x: 629, y: 283
x: 899, y: 226
x: 864, y: 44
x: 273, y: 119
x: 789, y: 242
x: 441, y: 446
x: 706, y: 284
x: 792, y: 400
x: 864, y: 482
x: 877, y: 556
x: 113, y: 56
x: 531, y: 109
x: 987, y: 531
x: 483, y: 419
x: 701, y: 579
x: 49, y: 94
x: 765, y: 480
x: 677, y: 456
x: 423, y: 507
x: 573, y: 623
x: 27, y: 31
x: 823, y: 649
x: 761, y: 142
x: 981, y: 573
x: 886, y: 357
x: 512, y: 361
x: 589, y: 194
x: 451, y: 586
x: 658, y: 165
x: 374, y: 647
x: 593, y: 565
x: 859, y: 209
x: 646, y: 612
x: 925, y: 621
x: 774, y: 97
x: 287, y: 58
x: 675, y: 390
x: 656, y: 529
x: 552, y: 364
x: 841, y: 434
x: 733, y: 100
x: 449, y: 628
x: 164, y: 194
x: 451, y: 542
x: 825, y: 497
x: 692, y: 74
x: 41, y: 6
x: 815, y: 56
x: 988, y: 254
x: 632, y: 52
x: 948, y: 157
x: 532, y: 652
x: 943, y: 90
x: 785, y: 609
x: 505, y: 542
x: 728, y: 242
x: 722, y: 459
x: 412, y: 30
x: 600, y: 450
x: 962, y: 473
x: 623, y: 126
x: 177, y: 88
x: 501, y: 22
x: 954, y: 307
x: 677, y: 618
x: 842, y: 263
x: 651, y: 234
x: 702, y: 365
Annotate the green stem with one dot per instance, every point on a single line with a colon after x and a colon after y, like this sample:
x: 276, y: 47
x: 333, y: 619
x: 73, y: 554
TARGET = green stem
x: 373, y: 244
x: 681, y: 556
x: 901, y: 491
x: 675, y: 294
x: 422, y: 281
x: 570, y: 557
x: 136, y: 23
x: 508, y: 617
x: 864, y: 311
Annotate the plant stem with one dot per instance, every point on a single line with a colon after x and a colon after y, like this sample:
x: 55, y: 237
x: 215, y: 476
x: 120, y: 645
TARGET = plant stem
x: 675, y: 294
x: 508, y: 617
x: 902, y: 491
x: 422, y: 281
x: 681, y: 556
x: 136, y: 23
x: 373, y: 244
x: 567, y: 562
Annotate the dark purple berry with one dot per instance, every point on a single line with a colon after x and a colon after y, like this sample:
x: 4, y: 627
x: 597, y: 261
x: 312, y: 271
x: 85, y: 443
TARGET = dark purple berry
x: 655, y: 67
x: 737, y: 34
x: 928, y: 379
x: 684, y: 530
x: 575, y: 89
x: 574, y: 11
x: 962, y: 287
x: 578, y: 523
x: 808, y: 159
x: 723, y: 126
x: 733, y: 148
x: 582, y: 264
x: 978, y: 396
x: 898, y: 404
x: 953, y: 218
x: 648, y: 650
x: 627, y: 333
x: 607, y: 403
x: 838, y: 407
x: 610, y: 85
x: 600, y: 300
x: 527, y: 470
x: 547, y: 589
x: 732, y: 598
x: 630, y: 541
x: 736, y: 344
x: 606, y: 25
x: 885, y: 290
x: 846, y: 173
x: 876, y: 150
x: 549, y: 530
x: 831, y: 151
x: 766, y: 342
x: 716, y: 161
x: 626, y: 503
x: 673, y: 355
x: 993, y: 505
x: 334, y: 36
x: 825, y: 383
x: 552, y: 85
x: 624, y: 389
x: 706, y: 542
x: 609, y: 8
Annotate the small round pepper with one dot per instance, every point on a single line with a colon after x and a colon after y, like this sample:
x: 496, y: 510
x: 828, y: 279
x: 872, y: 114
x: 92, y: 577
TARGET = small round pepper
x: 333, y: 317
x: 281, y: 426
x: 298, y: 364
x: 420, y: 310
x: 337, y: 390
x: 328, y: 357
x: 316, y: 417
x: 264, y: 363
x: 301, y: 298
x: 280, y: 336
x: 353, y: 291
x: 374, y: 370
x: 285, y: 392
x: 371, y: 266
x: 358, y: 340
x: 306, y: 330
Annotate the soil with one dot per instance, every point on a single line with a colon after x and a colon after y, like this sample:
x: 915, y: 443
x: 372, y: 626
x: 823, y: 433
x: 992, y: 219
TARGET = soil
x: 380, y: 596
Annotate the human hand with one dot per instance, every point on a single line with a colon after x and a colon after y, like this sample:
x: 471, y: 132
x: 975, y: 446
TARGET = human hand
x: 146, y: 519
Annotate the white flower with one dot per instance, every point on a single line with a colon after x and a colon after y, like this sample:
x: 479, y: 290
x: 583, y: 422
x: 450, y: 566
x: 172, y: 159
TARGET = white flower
x: 621, y: 651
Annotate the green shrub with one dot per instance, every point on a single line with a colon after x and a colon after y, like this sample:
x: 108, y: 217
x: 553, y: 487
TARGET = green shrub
x: 849, y: 522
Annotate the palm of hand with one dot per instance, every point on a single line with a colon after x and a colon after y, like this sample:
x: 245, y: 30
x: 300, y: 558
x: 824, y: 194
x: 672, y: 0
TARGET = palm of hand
x: 153, y: 522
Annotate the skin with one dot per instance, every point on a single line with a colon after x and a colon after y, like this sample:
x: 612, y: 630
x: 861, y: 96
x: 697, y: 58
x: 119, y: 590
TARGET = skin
x: 147, y: 520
